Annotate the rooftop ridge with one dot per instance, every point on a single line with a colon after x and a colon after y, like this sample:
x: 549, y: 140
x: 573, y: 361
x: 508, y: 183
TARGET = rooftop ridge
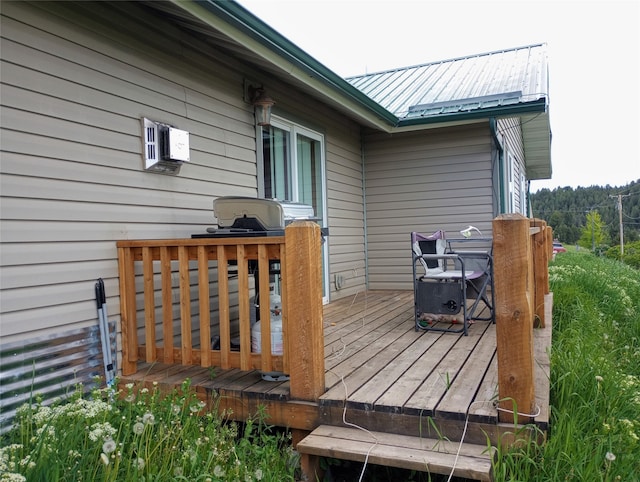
x: 453, y: 59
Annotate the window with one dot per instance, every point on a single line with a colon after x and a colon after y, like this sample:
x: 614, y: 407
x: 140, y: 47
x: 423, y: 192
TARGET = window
x: 292, y: 169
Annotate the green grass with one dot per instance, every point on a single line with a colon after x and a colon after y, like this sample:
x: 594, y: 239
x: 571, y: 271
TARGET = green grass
x: 140, y: 436
x: 595, y: 377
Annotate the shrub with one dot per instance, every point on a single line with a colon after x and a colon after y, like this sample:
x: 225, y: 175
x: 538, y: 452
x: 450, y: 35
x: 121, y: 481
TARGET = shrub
x: 631, y: 254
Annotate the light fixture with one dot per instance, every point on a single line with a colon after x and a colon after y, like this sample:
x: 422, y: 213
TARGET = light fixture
x: 262, y: 103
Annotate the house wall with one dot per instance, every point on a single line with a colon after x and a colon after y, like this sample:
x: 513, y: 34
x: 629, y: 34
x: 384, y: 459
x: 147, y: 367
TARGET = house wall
x: 509, y: 133
x: 76, y: 80
x: 424, y: 181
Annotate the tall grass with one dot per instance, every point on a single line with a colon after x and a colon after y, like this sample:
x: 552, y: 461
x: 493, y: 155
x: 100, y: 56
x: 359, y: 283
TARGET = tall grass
x: 595, y: 377
x: 140, y: 436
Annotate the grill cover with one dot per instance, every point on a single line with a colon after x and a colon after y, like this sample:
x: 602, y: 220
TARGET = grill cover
x: 258, y: 214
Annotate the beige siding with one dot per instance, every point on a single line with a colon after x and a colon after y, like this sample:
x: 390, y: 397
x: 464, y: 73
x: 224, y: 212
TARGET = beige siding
x: 510, y: 133
x: 75, y: 83
x: 423, y: 181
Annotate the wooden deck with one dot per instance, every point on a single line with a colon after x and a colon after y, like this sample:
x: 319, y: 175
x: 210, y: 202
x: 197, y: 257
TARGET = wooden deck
x: 381, y: 375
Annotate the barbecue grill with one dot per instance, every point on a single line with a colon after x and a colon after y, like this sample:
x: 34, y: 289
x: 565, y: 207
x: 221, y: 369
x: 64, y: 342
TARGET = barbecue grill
x: 246, y: 216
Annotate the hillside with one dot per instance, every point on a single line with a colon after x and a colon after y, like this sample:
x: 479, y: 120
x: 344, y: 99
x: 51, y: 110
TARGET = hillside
x: 565, y: 210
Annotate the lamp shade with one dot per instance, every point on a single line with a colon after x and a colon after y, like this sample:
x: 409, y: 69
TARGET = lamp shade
x: 263, y: 104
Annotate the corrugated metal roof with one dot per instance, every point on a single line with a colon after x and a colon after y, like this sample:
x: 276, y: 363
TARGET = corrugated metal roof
x: 490, y: 80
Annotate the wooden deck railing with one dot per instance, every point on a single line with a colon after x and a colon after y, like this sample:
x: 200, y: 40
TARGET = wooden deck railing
x: 155, y: 313
x: 522, y: 248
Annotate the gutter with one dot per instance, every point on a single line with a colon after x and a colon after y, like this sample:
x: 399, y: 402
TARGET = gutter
x: 537, y: 106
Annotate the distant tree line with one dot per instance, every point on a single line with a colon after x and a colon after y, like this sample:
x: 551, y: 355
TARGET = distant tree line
x: 589, y: 216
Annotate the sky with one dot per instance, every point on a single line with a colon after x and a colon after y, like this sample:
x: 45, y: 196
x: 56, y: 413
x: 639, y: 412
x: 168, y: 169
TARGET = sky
x: 593, y: 48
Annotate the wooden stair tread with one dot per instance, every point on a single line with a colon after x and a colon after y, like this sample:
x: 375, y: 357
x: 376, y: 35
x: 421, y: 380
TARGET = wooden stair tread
x: 413, y: 453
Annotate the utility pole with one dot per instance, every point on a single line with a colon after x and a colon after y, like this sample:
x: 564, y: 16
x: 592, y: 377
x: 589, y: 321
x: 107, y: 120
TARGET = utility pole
x: 620, y: 196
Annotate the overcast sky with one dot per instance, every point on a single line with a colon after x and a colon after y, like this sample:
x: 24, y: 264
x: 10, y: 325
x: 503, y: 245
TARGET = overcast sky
x: 594, y: 57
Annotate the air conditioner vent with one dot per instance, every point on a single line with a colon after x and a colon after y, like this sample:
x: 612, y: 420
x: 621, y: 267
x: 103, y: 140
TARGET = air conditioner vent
x: 165, y: 147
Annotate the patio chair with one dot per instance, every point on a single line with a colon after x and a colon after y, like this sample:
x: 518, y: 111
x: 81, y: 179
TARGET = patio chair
x: 445, y: 277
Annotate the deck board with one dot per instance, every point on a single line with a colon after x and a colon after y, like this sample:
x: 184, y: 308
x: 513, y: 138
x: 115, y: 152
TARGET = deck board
x: 457, y: 400
x: 398, y: 380
x: 445, y: 371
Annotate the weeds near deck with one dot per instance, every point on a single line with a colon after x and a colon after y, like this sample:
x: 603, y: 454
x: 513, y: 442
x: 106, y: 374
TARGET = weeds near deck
x: 595, y: 378
x: 140, y: 436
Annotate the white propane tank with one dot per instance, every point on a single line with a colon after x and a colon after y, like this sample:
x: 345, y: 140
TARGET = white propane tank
x: 277, y: 347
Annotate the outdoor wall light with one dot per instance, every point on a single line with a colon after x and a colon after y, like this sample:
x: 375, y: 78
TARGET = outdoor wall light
x: 262, y: 104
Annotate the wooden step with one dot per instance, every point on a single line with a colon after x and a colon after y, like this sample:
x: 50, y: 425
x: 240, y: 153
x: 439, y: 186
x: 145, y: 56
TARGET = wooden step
x: 413, y: 453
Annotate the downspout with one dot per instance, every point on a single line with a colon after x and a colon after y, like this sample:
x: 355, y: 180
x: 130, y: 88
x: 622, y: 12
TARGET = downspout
x: 494, y: 134
x: 364, y: 212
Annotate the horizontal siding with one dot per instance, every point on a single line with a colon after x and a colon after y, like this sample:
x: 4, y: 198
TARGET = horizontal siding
x: 76, y: 80
x: 511, y: 133
x: 423, y: 181
x: 73, y: 93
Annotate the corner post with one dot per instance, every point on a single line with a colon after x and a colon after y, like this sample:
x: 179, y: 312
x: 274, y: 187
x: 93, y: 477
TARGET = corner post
x: 512, y: 265
x: 302, y: 310
x: 541, y: 270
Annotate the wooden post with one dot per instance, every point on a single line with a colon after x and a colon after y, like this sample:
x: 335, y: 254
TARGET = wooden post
x: 302, y: 310
x: 128, y: 311
x: 540, y: 271
x: 514, y: 325
x: 549, y: 240
x: 309, y: 464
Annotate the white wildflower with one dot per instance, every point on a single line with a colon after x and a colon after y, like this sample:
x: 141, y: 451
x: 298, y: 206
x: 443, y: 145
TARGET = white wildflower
x: 148, y: 418
x: 138, y: 428
x: 104, y: 458
x: 101, y: 431
x: 610, y: 456
x: 108, y: 446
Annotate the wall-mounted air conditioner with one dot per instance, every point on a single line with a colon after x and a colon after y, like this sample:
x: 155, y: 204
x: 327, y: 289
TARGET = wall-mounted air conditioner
x: 165, y: 147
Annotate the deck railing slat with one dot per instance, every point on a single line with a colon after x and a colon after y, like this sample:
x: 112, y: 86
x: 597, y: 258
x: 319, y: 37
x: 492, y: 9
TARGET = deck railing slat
x: 149, y: 304
x: 223, y: 307
x: 185, y: 305
x: 167, y: 304
x: 285, y: 331
x: 205, y: 306
x: 265, y: 314
x: 243, y: 308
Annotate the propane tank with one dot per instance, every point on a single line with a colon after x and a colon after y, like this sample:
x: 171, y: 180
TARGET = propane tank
x: 275, y: 307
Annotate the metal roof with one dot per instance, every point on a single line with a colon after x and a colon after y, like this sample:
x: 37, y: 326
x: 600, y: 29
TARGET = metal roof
x: 504, y: 83
x: 494, y: 79
x: 413, y: 97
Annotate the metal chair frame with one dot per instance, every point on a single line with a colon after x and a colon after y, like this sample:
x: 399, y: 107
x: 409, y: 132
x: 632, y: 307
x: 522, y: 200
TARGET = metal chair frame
x: 451, y: 276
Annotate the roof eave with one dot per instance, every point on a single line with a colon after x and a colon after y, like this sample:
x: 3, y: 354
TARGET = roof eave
x: 247, y: 30
x: 537, y: 106
x: 536, y: 136
x: 536, y: 130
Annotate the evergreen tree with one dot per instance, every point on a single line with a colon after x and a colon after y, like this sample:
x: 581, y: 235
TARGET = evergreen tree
x: 565, y: 209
